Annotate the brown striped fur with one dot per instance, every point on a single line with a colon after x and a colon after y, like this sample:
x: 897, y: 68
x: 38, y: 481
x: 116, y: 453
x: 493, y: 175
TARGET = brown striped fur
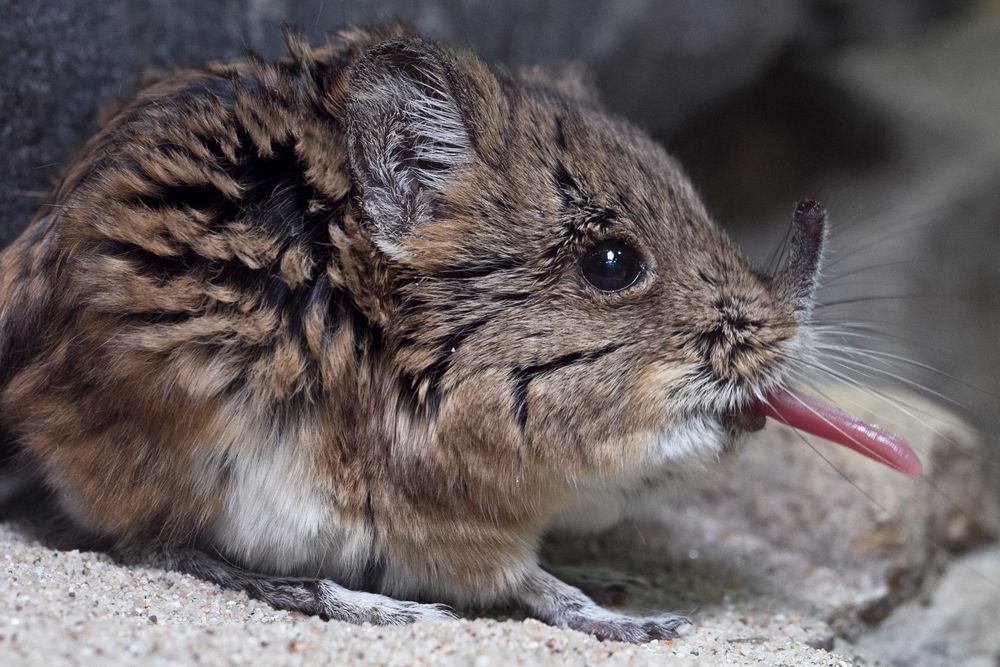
x: 243, y: 282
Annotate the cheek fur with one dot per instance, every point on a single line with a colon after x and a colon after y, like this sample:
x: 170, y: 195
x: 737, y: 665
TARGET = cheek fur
x: 691, y: 445
x: 687, y: 448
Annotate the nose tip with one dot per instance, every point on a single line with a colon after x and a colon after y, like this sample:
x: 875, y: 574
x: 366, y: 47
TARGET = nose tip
x: 800, y: 277
x: 810, y: 216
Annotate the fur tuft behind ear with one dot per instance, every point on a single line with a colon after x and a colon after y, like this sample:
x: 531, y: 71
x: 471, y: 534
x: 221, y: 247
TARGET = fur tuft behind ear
x: 569, y: 79
x: 407, y: 136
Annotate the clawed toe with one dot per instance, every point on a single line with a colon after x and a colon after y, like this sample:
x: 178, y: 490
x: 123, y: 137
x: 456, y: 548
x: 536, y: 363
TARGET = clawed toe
x: 404, y: 613
x: 664, y: 627
x: 620, y: 628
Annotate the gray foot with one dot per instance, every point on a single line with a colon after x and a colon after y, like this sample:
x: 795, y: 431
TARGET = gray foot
x: 609, y: 626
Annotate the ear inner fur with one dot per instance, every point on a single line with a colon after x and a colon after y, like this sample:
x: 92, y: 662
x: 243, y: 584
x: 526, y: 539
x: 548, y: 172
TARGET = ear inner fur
x: 407, y: 135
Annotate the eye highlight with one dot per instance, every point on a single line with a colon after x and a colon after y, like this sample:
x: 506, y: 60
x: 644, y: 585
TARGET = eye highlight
x: 611, y: 265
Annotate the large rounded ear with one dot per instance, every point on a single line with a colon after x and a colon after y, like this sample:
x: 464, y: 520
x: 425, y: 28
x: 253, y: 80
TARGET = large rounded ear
x: 408, y: 134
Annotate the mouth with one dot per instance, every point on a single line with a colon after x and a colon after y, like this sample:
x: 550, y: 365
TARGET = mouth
x: 748, y: 421
x: 813, y: 416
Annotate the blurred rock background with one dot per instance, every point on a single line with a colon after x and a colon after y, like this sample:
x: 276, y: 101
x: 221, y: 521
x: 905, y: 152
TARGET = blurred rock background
x: 665, y: 64
x: 889, y: 112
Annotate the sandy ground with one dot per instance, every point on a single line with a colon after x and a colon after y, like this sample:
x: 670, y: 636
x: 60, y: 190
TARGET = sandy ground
x: 71, y: 607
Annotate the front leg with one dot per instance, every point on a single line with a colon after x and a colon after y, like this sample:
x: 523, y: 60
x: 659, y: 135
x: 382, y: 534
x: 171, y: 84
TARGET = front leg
x: 603, y: 586
x: 549, y: 599
x: 317, y: 597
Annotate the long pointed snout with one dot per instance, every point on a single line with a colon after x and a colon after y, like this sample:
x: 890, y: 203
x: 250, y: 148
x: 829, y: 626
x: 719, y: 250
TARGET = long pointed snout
x: 798, y: 280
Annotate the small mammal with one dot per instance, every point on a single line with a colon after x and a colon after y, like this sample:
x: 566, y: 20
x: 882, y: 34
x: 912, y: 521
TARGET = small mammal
x: 352, y: 329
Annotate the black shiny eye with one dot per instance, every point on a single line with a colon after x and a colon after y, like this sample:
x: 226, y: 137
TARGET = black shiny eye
x: 611, y: 265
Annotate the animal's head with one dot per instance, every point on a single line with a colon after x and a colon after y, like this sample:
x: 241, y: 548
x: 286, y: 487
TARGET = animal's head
x: 556, y: 283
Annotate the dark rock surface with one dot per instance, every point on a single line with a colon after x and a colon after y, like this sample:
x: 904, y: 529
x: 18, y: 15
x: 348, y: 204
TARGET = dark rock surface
x: 657, y: 62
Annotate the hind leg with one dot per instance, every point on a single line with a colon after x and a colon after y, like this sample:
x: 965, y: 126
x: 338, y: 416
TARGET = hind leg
x: 317, y: 597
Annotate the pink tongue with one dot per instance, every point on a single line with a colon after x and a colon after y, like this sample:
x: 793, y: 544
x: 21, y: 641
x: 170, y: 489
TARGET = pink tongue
x: 813, y: 416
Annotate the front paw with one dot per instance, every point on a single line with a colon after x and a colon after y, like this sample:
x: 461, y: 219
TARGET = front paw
x: 608, y: 626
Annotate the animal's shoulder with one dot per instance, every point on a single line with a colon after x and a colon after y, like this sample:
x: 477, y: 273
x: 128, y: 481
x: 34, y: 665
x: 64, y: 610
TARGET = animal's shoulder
x: 205, y: 217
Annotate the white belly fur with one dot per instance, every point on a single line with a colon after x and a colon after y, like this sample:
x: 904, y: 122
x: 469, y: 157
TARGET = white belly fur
x: 278, y: 516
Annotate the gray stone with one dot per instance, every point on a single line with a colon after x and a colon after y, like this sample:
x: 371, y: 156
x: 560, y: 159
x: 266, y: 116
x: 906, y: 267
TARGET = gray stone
x: 957, y: 624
